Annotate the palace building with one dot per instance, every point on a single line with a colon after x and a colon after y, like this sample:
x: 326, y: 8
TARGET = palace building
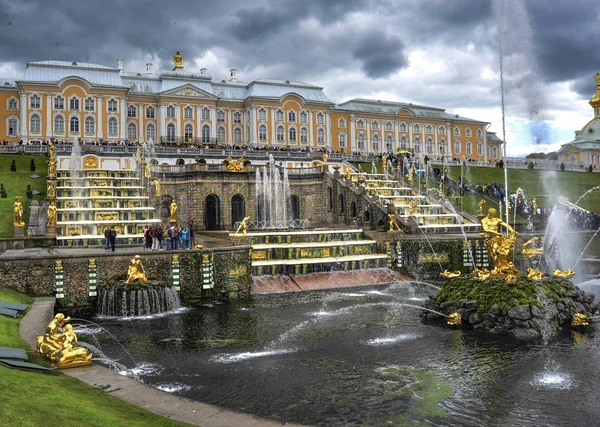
x: 60, y: 101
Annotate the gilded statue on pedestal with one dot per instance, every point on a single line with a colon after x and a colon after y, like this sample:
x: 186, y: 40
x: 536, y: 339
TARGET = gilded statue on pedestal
x: 243, y: 226
x: 136, y: 272
x: 534, y: 206
x: 52, y: 213
x: 60, y: 344
x: 450, y: 274
x: 533, y: 247
x: 51, y: 193
x: 325, y: 158
x: 383, y: 161
x: 157, y: 187
x: 177, y: 61
x: 414, y: 208
x: 148, y: 170
x: 394, y: 227
x: 480, y: 210
x: 234, y: 165
x: 499, y: 246
x: 566, y: 274
x: 18, y: 212
x: 173, y: 210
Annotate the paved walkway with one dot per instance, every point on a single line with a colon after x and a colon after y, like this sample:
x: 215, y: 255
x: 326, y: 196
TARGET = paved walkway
x: 159, y: 402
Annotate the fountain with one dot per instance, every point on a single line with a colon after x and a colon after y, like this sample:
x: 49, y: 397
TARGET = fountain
x: 273, y: 197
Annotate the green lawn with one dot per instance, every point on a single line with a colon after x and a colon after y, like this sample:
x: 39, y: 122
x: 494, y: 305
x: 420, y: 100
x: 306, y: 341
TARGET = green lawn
x: 16, y: 183
x: 54, y: 399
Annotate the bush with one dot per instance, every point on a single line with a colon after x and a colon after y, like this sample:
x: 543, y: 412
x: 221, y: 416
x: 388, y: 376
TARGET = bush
x: 13, y: 166
x: 3, y: 193
x: 501, y: 163
x: 200, y: 160
x: 29, y: 192
x: 180, y: 161
x: 562, y: 167
x: 590, y: 168
x: 32, y: 166
x: 247, y: 162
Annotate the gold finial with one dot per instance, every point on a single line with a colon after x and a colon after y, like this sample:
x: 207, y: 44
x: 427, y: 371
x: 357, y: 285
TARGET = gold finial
x: 178, y: 61
x: 595, y: 101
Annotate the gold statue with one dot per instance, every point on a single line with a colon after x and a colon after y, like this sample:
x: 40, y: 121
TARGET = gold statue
x: 529, y: 249
x: 348, y: 174
x: 580, y: 320
x: 482, y: 274
x: 51, y: 193
x: 51, y: 168
x: 534, y: 273
x: 157, y: 187
x: 414, y: 208
x: 567, y: 274
x: 51, y: 149
x: 18, y: 212
x: 534, y: 206
x: 60, y: 344
x: 455, y: 319
x: 178, y: 61
x: 52, y: 213
x: 136, y: 272
x: 325, y: 158
x: 394, y: 227
x: 450, y: 274
x: 243, y: 226
x: 92, y: 263
x: 173, y: 209
x: 480, y: 210
x: 411, y: 172
x: 511, y: 279
x: 148, y: 170
x: 383, y: 161
x: 499, y: 246
x: 234, y: 165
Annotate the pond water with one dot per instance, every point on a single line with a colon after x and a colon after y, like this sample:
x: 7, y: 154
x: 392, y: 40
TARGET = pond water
x: 355, y: 357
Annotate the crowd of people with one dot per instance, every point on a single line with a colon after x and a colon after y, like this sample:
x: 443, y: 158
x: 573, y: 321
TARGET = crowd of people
x: 159, y: 237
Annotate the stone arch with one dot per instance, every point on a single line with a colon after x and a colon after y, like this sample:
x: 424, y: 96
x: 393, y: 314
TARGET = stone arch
x: 342, y: 204
x: 212, y: 209
x: 238, y: 209
x: 352, y: 210
x: 295, y: 207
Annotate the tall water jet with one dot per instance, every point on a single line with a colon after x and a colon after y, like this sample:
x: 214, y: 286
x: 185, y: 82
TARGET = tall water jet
x: 273, y: 197
x: 75, y: 165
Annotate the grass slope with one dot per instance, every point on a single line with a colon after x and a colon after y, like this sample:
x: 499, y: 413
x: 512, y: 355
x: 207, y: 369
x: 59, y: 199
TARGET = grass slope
x: 54, y: 399
x: 16, y: 183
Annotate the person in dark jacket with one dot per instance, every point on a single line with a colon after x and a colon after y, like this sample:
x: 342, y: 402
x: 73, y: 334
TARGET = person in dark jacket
x: 113, y: 238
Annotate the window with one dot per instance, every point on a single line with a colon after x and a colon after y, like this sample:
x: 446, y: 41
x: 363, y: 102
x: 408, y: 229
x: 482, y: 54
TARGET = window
x: 389, y: 143
x: 361, y: 142
x: 456, y: 132
x: 442, y: 130
x: 403, y: 144
x: 221, y: 116
x: 170, y: 111
x: 205, y: 133
x: 457, y: 147
x: 375, y: 142
x: 59, y: 124
x: 469, y: 148
x: 34, y: 123
x: 479, y: 133
x: 237, y: 117
x: 221, y: 134
x: 429, y: 146
x: 468, y: 133
x: 262, y: 115
x: 150, y: 113
x: 389, y: 126
x: 494, y: 152
x: 171, y: 132
x: 480, y: 149
x: 293, y: 134
x: 416, y: 128
x: 205, y: 114
x: 90, y: 125
x: 74, y: 105
x: 360, y: 124
x: 237, y: 135
x: 74, y: 124
x: 188, y: 132
x: 12, y: 126
x: 150, y: 132
x: 292, y: 116
x: 342, y: 123
x: 12, y: 103
x: 403, y: 127
x: 34, y: 101
x: 59, y: 103
x: 90, y: 104
x: 279, y: 116
x: 429, y: 129
x: 131, y: 131
x: 417, y: 145
x: 131, y: 111
x: 321, y: 136
x: 442, y: 147
x: 112, y: 126
x: 342, y: 140
x: 375, y: 125
x: 280, y: 133
x: 320, y: 119
x: 112, y: 105
x: 188, y: 113
x: 262, y: 132
x: 303, y: 135
x: 304, y: 117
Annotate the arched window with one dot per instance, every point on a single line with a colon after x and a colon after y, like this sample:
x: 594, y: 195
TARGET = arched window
x: 90, y: 104
x: 34, y: 123
x: 59, y: 102
x: 188, y: 132
x: 417, y: 145
x: 12, y: 104
x: 150, y: 132
x: 456, y: 147
x: 442, y: 147
x: 280, y: 133
x: 111, y: 105
x: 262, y: 132
x: 479, y: 133
x: 403, y: 127
x: 170, y: 111
x: 238, y: 209
x: 330, y: 197
x: 295, y: 207
x: 12, y: 128
x: 221, y: 134
x: 205, y: 133
x: 456, y: 131
x: 221, y: 116
x: 321, y: 136
x: 303, y: 117
x: 416, y: 128
x: 303, y: 135
x: 188, y: 113
x: 237, y: 116
x: 375, y: 142
x: 429, y: 129
x: 74, y: 124
x: 494, y: 152
x: 352, y: 210
x: 403, y: 143
x: 59, y: 124
x: 442, y: 130
x: 262, y: 115
x: 34, y: 101
x: 389, y: 126
x: 342, y: 140
x: 479, y: 149
x: 360, y: 124
x: 342, y: 123
x: 429, y: 145
x: 361, y: 142
x: 375, y: 125
x: 468, y: 132
x: 291, y: 116
x: 237, y: 135
x: 292, y: 133
x: 469, y: 148
x: 320, y: 119
x: 131, y: 131
x: 279, y: 115
x: 171, y: 132
x: 113, y: 126
x: 205, y: 114
x: 342, y: 204
x: 389, y: 143
x: 131, y: 111
x: 90, y: 125
x: 150, y: 113
x: 74, y: 105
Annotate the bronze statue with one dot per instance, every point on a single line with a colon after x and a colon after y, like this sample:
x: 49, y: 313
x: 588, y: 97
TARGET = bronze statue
x: 394, y: 227
x: 499, y: 246
x: 60, y: 344
x: 243, y: 226
x: 52, y: 213
x: 18, y: 212
x: 173, y: 209
x: 136, y: 272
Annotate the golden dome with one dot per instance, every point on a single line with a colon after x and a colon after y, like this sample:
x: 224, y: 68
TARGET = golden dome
x: 595, y: 101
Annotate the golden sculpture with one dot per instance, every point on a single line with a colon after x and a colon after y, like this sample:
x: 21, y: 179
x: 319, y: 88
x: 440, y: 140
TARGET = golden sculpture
x: 52, y: 213
x: 18, y: 212
x: 455, y: 319
x: 157, y: 187
x: 92, y: 263
x: 51, y: 151
x: 535, y: 273
x: 136, y: 272
x: 148, y: 170
x: 383, y: 161
x: 243, y: 226
x: 499, y: 246
x: 480, y: 210
x: 90, y: 162
x: 411, y: 172
x: 178, y: 61
x: 394, y: 227
x: 173, y: 210
x: 51, y: 193
x: 51, y: 168
x: 325, y: 158
x: 60, y: 344
x: 482, y: 274
x: 414, y: 208
x: 511, y: 279
x: 348, y: 175
x: 532, y: 248
x: 566, y: 274
x: 580, y: 320
x: 234, y: 165
x: 534, y: 206
x: 450, y: 274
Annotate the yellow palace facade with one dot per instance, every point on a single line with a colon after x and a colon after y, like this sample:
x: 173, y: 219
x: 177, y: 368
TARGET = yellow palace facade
x: 60, y: 101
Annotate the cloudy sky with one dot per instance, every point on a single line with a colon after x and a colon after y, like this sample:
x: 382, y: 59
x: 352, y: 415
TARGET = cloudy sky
x: 442, y: 53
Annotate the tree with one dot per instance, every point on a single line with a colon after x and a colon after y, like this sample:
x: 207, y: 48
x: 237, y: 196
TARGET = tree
x: 501, y: 163
x: 3, y: 192
x: 29, y: 192
x: 13, y: 166
x: 32, y: 166
x: 562, y: 167
x: 180, y: 161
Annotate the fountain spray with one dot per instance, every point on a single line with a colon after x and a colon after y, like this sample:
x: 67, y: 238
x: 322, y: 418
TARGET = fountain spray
x: 500, y: 25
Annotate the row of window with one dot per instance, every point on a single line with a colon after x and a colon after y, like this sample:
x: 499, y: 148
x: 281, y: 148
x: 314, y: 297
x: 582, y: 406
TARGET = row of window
x: 389, y: 126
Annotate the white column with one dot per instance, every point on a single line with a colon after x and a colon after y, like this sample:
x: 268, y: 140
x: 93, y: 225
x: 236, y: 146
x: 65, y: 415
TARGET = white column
x: 273, y: 126
x: 253, y: 125
x: 352, y: 145
x: 178, y: 132
x: 450, y: 151
x: 123, y: 112
x: 100, y: 121
x: 485, y: 146
x: 368, y: 147
x: 312, y: 141
x: 48, y: 114
x: 141, y: 131
x: 213, y: 123
x: 397, y: 133
x: 162, y: 113
x: 23, y: 115
x: 329, y: 132
x: 229, y: 134
x: 411, y: 143
x: 423, y: 143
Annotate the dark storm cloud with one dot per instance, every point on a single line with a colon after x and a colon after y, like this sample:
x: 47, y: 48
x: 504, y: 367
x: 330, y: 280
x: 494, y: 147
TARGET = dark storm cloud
x: 380, y: 55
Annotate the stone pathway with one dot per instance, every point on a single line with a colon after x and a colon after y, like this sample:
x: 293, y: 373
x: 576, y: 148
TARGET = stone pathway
x: 159, y: 402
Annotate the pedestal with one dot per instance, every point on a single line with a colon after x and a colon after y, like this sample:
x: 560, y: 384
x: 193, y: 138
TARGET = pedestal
x: 19, y: 231
x: 51, y: 231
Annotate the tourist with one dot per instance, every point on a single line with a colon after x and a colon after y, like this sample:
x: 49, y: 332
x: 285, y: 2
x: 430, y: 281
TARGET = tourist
x: 191, y: 227
x: 184, y: 237
x: 113, y: 238
x: 154, y: 235
x: 169, y: 237
x: 148, y: 239
x: 175, y: 237
x: 106, y: 238
x: 160, y: 235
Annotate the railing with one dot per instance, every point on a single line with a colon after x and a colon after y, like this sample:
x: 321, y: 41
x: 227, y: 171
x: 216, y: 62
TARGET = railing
x: 219, y: 167
x: 275, y: 225
x: 184, y: 140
